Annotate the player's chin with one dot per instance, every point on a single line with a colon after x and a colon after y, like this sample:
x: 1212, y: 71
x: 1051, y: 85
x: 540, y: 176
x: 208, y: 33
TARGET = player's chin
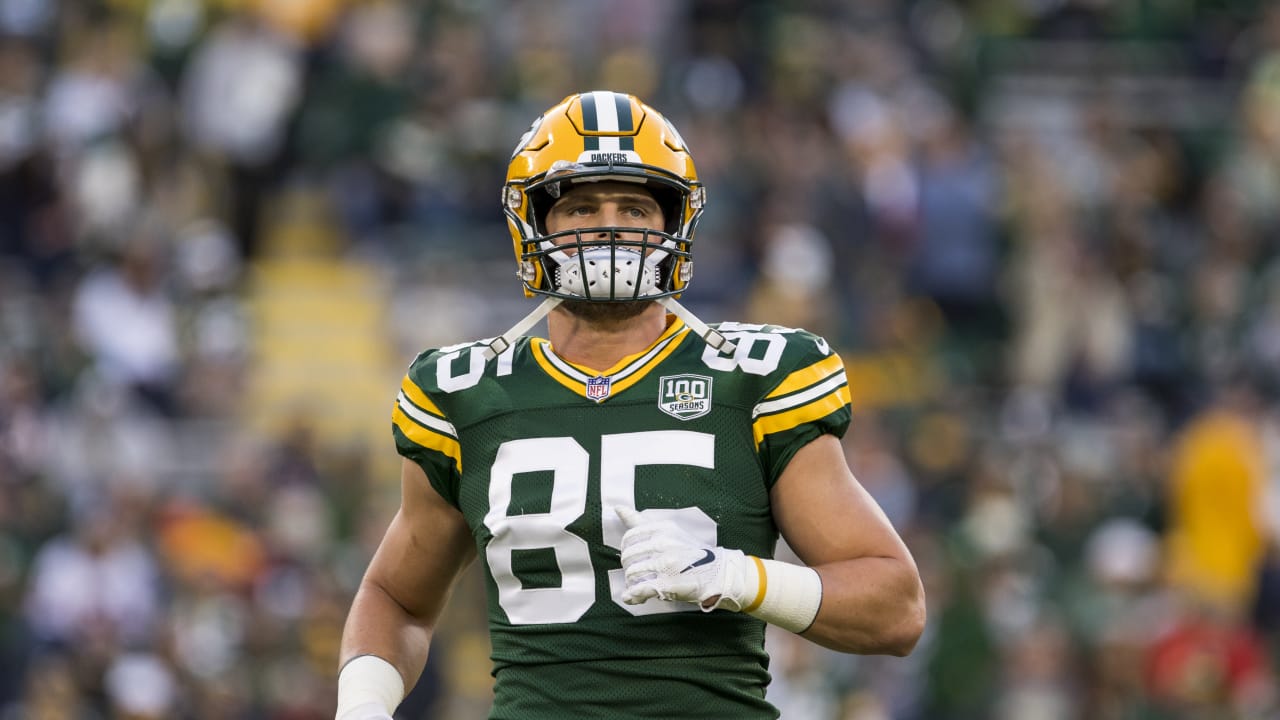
x: 606, y: 313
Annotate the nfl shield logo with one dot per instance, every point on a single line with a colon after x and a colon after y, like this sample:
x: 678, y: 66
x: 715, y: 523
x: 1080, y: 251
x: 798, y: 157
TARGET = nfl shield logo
x: 598, y: 387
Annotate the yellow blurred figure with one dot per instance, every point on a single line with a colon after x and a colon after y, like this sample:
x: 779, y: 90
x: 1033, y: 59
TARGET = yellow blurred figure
x: 306, y: 20
x: 1215, y: 538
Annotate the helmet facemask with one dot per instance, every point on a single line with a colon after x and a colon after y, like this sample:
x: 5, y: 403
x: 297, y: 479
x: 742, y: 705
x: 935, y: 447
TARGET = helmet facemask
x: 606, y: 263
x: 609, y: 263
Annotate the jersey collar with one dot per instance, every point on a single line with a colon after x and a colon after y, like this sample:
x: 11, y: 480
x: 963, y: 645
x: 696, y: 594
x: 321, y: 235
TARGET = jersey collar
x: 626, y: 372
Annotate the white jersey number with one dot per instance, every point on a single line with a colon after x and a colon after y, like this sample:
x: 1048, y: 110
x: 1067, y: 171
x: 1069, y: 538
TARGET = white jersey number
x: 569, y: 464
x: 746, y: 355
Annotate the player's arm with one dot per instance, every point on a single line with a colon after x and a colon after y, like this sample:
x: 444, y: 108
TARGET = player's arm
x: 400, y: 599
x: 872, y: 600
x: 858, y: 590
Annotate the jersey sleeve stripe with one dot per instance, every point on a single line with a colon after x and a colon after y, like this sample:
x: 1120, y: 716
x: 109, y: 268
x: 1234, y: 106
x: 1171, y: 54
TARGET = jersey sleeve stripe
x: 427, y: 437
x: 410, y: 390
x: 426, y: 419
x: 825, y: 387
x: 807, y: 376
x: 779, y: 422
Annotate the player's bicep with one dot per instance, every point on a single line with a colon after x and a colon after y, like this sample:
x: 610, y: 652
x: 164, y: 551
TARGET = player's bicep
x: 825, y: 514
x: 426, y: 547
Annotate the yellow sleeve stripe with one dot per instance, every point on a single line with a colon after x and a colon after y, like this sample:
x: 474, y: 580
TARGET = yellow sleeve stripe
x: 802, y: 398
x: 427, y: 437
x: 827, y: 404
x: 417, y: 397
x: 805, y: 377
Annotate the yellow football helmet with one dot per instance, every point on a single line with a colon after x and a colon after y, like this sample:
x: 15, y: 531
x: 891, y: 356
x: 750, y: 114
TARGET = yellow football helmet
x: 596, y: 136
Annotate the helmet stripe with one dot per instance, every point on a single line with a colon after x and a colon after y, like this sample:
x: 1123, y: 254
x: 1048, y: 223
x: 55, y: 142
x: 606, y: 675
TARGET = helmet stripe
x: 590, y: 123
x: 622, y: 104
x: 622, y: 112
x: 606, y: 110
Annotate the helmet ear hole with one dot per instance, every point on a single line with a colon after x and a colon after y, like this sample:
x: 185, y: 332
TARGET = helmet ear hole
x: 672, y: 203
x: 540, y: 202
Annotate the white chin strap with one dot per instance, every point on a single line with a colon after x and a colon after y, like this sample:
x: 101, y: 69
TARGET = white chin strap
x: 499, y: 345
x: 708, y: 335
x: 712, y: 337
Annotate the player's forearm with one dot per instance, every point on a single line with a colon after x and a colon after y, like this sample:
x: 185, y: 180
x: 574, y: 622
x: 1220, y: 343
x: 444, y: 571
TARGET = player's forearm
x: 872, y: 605
x: 378, y: 625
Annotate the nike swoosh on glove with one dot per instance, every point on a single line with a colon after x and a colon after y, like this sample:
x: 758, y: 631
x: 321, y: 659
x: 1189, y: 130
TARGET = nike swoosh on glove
x: 660, y: 559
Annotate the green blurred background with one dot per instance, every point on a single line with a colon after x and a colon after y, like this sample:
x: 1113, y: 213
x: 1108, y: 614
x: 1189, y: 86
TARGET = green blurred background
x: 1044, y: 234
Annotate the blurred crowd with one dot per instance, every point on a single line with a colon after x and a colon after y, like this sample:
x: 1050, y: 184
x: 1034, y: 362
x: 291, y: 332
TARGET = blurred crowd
x: 1044, y: 234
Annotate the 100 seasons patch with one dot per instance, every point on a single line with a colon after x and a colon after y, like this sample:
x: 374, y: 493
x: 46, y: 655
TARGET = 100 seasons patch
x: 684, y: 396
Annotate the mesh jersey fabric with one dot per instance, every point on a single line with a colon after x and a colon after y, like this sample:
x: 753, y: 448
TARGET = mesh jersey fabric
x: 535, y: 453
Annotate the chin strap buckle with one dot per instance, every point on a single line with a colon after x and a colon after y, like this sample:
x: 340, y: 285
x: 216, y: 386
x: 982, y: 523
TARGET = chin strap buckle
x: 711, y: 336
x: 503, y: 342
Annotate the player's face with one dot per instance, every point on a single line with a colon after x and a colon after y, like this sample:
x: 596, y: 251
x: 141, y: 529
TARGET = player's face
x: 605, y: 204
x: 609, y: 205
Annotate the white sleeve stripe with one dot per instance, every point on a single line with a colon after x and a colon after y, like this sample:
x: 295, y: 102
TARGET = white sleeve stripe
x: 426, y: 419
x: 814, y: 392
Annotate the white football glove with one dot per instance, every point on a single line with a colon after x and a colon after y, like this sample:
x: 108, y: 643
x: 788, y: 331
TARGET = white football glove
x: 367, y: 711
x: 660, y: 559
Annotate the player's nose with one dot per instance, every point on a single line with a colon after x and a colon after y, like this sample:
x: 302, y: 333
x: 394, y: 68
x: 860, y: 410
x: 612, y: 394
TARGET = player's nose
x: 611, y: 215
x: 616, y: 216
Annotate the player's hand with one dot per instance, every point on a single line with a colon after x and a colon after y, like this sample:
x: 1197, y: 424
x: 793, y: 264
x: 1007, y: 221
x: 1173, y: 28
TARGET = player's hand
x: 367, y: 711
x: 660, y: 559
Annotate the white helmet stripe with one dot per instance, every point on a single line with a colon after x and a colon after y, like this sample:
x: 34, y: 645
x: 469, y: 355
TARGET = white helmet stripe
x: 606, y: 112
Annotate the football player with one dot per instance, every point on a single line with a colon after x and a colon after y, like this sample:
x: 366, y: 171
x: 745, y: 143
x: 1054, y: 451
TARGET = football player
x: 623, y: 482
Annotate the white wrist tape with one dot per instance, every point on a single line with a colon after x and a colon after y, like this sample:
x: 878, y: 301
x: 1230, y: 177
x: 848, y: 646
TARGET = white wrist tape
x: 368, y: 679
x: 787, y: 595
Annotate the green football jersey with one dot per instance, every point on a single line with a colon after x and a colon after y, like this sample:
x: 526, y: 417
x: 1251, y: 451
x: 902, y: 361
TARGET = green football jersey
x: 537, y: 453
